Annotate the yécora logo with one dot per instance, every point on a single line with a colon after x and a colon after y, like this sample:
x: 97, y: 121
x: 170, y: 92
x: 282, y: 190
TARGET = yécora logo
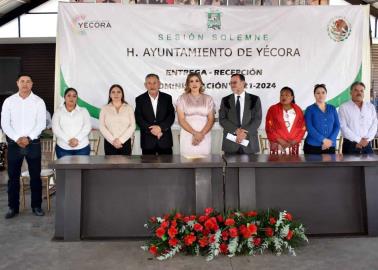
x: 81, y: 25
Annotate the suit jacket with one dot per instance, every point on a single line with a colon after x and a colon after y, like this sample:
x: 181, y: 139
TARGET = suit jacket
x: 251, y: 121
x: 145, y: 117
x: 275, y: 126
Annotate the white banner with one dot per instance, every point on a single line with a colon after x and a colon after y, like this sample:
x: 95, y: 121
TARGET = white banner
x: 99, y: 45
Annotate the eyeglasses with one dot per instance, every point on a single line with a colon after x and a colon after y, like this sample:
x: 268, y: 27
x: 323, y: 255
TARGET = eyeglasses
x: 231, y: 83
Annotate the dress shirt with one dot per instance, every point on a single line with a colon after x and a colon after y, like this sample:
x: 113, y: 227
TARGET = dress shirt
x: 358, y: 123
x: 321, y: 125
x: 242, y: 101
x: 68, y: 125
x: 23, y: 117
x: 115, y: 124
x: 154, y: 102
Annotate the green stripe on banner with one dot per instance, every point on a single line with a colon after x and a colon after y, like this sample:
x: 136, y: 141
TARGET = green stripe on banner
x: 344, y: 95
x: 93, y: 111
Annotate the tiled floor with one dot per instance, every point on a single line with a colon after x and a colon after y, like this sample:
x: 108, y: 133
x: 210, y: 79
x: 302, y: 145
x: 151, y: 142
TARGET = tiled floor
x: 26, y: 244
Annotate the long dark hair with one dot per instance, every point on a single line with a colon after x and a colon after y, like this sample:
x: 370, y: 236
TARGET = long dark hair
x: 123, y: 94
x: 287, y: 88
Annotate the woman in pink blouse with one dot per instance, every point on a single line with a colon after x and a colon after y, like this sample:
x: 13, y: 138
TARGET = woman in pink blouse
x: 195, y: 112
x: 117, y: 123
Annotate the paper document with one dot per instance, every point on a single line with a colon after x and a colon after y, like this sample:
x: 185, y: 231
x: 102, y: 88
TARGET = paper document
x: 232, y: 138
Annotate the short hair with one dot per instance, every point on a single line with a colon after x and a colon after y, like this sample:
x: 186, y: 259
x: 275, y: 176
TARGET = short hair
x: 320, y: 85
x: 24, y: 75
x: 287, y: 88
x: 357, y: 83
x: 190, y: 75
x: 123, y: 93
x: 68, y: 90
x: 152, y: 75
x: 241, y: 76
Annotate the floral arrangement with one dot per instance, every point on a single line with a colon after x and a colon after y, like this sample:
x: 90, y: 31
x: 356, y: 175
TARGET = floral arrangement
x: 231, y: 233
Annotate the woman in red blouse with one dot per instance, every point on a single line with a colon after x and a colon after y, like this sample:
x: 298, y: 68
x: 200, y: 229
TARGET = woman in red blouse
x: 285, y: 124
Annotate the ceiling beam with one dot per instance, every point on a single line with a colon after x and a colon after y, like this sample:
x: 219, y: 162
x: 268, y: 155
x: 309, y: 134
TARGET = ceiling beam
x: 24, y: 8
x: 373, y: 10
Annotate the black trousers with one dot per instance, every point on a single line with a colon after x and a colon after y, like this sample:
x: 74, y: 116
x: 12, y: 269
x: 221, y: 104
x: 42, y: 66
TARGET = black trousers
x: 157, y: 151
x: 111, y: 150
x: 349, y: 147
x: 16, y: 156
x: 310, y: 149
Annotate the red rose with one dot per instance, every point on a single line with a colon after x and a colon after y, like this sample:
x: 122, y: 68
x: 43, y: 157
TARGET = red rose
x: 165, y: 224
x: 153, y: 219
x: 272, y: 221
x: 192, y: 217
x: 257, y: 241
x: 203, y: 242
x: 172, y: 232
x: 289, y: 217
x: 166, y: 217
x: 225, y: 235
x: 174, y: 223
x: 223, y: 248
x: 206, y: 232
x: 245, y: 232
x: 251, y: 214
x: 212, y: 239
x: 160, y: 232
x: 233, y: 232
x: 202, y: 219
x: 173, y: 242
x: 198, y: 227
x: 186, y: 219
x: 208, y: 211
x: 178, y: 216
x: 153, y: 250
x: 229, y: 222
x: 220, y: 218
x: 211, y: 224
x: 269, y: 232
x: 252, y: 228
x: 289, y: 235
x: 189, y: 239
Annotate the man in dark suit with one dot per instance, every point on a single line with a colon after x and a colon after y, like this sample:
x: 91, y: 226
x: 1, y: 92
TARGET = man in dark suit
x: 240, y: 115
x: 154, y: 114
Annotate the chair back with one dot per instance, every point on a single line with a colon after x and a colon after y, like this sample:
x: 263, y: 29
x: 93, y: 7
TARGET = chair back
x: 339, y: 145
x: 94, y: 143
x: 265, y: 148
x: 47, y: 151
x: 374, y: 144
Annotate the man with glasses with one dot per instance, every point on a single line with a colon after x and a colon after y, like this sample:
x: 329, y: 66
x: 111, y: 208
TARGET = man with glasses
x: 240, y: 116
x: 358, y: 122
x: 23, y: 118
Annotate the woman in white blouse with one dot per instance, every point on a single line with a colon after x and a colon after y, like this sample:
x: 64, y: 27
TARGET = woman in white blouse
x: 71, y: 126
x: 117, y: 123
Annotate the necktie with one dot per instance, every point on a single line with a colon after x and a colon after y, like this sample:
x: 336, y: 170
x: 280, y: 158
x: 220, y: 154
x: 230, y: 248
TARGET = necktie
x: 238, y: 111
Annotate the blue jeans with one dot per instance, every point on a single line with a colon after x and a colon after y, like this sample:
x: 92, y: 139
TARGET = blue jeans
x: 60, y: 152
x: 350, y: 148
x: 16, y: 156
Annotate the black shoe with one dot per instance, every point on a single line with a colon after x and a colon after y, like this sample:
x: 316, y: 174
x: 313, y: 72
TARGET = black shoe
x: 11, y: 213
x: 38, y: 212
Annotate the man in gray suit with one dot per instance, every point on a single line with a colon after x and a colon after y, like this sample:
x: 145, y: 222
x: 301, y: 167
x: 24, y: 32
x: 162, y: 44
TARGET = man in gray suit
x: 240, y: 115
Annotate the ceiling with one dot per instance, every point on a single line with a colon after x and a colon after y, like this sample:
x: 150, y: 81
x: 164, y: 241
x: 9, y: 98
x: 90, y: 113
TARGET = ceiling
x: 11, y: 9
